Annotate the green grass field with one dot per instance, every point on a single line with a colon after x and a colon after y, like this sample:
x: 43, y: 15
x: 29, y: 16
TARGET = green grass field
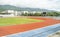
x: 16, y: 21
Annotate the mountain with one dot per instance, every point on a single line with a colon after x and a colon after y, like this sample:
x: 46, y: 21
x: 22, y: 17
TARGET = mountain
x: 10, y: 7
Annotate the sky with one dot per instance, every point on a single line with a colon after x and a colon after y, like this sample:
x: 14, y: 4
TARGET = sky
x: 45, y: 4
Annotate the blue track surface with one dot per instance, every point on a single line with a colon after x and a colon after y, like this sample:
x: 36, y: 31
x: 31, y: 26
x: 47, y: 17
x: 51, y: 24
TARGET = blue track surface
x: 40, y: 32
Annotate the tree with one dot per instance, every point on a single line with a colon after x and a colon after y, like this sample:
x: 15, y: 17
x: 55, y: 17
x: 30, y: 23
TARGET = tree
x: 37, y: 14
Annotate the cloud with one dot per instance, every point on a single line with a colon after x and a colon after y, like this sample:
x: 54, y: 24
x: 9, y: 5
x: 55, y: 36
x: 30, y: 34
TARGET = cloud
x: 47, y: 4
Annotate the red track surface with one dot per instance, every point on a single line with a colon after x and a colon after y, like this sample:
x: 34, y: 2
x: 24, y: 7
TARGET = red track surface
x: 6, y: 30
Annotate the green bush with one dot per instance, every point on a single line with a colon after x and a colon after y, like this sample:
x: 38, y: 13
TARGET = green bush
x: 40, y: 14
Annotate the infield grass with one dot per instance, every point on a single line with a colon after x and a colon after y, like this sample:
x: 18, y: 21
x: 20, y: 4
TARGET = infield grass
x: 16, y: 21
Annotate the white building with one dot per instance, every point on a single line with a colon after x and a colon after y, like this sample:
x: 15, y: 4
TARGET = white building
x: 8, y: 13
x: 12, y: 13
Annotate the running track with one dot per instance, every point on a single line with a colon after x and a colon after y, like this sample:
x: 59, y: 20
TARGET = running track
x: 7, y: 30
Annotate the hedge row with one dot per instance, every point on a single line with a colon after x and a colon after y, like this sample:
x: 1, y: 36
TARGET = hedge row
x: 42, y: 14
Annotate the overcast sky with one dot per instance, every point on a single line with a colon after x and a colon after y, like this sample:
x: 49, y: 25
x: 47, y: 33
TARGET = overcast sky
x: 47, y: 4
